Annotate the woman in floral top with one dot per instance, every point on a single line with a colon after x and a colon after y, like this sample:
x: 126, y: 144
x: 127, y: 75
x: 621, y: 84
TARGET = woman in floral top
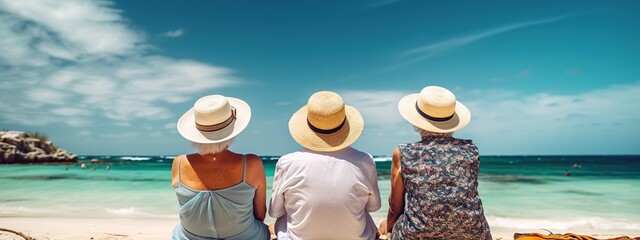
x: 437, y: 177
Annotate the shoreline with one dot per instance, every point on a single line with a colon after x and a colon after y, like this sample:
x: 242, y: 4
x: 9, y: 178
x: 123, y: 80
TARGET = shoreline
x: 152, y: 228
x: 39, y: 163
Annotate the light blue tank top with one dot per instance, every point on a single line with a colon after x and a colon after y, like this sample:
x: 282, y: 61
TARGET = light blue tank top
x: 218, y: 214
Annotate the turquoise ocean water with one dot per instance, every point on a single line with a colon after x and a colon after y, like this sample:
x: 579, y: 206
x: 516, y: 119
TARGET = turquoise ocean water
x: 603, y: 192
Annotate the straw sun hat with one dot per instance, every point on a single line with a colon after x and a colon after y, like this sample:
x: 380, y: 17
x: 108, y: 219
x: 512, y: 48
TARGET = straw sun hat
x: 326, y: 124
x: 434, y: 109
x: 214, y: 119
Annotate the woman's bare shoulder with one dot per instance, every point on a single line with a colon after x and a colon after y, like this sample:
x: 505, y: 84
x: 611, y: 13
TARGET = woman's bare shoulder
x: 176, y: 160
x: 254, y: 162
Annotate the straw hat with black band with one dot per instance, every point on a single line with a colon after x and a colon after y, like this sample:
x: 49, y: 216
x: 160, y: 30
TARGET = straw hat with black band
x: 326, y: 124
x: 214, y: 119
x: 434, y: 109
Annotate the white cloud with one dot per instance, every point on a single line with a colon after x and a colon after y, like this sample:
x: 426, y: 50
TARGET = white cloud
x: 545, y: 112
x: 583, y: 123
x: 174, y: 33
x: 171, y: 127
x: 379, y: 108
x: 78, y: 27
x: 46, y: 96
x: 70, y: 61
x: 15, y: 43
x: 69, y: 111
x: 511, y: 122
x: 77, y: 122
x: 384, y: 127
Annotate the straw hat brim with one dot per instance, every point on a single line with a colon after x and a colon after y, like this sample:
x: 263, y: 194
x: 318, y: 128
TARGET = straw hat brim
x: 343, y: 138
x: 187, y: 125
x: 460, y: 119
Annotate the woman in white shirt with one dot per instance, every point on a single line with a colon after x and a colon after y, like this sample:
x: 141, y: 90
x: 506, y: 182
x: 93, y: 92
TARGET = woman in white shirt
x: 327, y: 189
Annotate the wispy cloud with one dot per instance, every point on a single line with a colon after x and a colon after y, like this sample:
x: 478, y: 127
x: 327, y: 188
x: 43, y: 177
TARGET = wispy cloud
x: 383, y: 3
x: 174, y: 33
x: 74, y: 62
x: 433, y: 49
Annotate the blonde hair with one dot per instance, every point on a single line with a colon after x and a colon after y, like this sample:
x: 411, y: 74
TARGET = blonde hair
x: 424, y: 133
x: 212, y: 148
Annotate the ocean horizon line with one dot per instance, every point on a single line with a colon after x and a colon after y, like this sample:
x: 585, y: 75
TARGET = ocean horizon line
x: 377, y: 158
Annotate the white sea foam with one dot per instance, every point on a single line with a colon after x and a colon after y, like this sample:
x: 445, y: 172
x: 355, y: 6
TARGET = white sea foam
x: 134, y: 212
x: 122, y: 211
x: 22, y: 210
x: 382, y: 159
x: 578, y: 222
x: 135, y: 158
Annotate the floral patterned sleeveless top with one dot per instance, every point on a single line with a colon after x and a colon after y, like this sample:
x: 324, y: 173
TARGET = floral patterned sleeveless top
x: 440, y: 176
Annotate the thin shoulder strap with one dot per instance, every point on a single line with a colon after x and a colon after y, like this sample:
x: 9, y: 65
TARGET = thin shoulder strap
x: 180, y: 168
x: 244, y: 167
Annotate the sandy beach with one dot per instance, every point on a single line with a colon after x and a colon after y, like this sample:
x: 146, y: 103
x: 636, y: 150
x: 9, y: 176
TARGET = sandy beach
x: 143, y: 229
x: 88, y: 228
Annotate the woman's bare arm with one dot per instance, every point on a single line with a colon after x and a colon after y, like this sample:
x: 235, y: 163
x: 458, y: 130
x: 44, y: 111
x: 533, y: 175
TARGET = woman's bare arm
x: 396, y: 198
x: 256, y: 178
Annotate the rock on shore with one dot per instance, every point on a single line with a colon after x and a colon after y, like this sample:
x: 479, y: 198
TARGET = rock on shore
x: 19, y: 147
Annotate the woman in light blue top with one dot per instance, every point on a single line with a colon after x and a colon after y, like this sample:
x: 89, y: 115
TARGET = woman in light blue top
x: 221, y: 194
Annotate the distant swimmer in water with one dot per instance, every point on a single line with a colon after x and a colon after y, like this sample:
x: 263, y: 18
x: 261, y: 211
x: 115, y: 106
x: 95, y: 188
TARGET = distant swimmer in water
x: 83, y: 166
x: 108, y: 167
x: 567, y: 173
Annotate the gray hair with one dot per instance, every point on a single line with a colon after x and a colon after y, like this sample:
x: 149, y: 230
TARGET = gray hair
x: 424, y: 133
x: 212, y: 148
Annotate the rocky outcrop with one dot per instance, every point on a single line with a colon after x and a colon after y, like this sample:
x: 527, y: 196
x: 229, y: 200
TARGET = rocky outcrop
x: 19, y: 147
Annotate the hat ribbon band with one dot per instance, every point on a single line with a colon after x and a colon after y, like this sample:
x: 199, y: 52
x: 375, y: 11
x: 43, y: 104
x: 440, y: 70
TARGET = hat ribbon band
x: 432, y: 118
x: 329, y: 131
x: 218, y: 126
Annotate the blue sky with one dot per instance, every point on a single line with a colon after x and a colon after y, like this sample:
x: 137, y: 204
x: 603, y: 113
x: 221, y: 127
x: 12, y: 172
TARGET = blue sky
x: 113, y: 77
